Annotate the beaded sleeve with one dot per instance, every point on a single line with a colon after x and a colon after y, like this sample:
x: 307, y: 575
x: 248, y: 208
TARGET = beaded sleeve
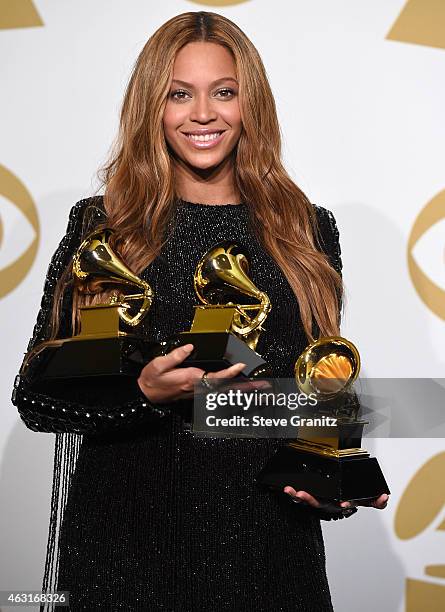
x: 95, y: 413
x: 329, y: 237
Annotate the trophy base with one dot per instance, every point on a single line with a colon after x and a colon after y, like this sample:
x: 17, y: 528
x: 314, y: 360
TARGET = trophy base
x: 353, y: 476
x: 123, y: 355
x: 219, y: 350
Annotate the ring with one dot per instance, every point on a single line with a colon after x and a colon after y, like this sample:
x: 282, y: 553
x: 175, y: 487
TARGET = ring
x: 205, y: 381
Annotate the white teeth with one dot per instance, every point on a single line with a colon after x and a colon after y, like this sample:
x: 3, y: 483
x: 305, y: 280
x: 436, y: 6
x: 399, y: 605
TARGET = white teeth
x: 204, y: 138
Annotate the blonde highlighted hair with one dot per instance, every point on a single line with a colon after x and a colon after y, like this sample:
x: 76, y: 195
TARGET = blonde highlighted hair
x: 139, y: 178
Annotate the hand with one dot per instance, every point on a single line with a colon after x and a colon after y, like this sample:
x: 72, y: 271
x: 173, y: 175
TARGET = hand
x: 380, y: 503
x: 162, y: 381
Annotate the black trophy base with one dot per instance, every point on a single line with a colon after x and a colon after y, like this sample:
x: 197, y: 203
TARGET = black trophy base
x: 219, y: 350
x: 120, y: 356
x: 329, y: 479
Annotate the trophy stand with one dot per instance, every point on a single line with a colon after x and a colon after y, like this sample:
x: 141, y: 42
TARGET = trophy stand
x: 328, y: 463
x: 100, y: 349
x: 327, y: 460
x: 224, y: 332
x: 215, y: 346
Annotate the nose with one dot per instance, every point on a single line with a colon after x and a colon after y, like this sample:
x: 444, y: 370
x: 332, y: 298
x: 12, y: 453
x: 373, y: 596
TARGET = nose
x: 202, y: 110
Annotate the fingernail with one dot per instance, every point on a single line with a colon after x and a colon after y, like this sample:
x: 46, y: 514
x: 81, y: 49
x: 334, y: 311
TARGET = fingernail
x: 188, y: 347
x: 241, y: 365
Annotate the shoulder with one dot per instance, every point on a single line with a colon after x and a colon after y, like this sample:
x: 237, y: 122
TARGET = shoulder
x: 327, y: 225
x: 328, y: 235
x: 85, y: 214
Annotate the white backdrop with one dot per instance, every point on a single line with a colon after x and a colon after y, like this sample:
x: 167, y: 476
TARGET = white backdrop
x: 363, y: 133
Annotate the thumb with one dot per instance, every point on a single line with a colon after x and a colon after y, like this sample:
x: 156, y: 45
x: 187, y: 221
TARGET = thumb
x: 174, y: 358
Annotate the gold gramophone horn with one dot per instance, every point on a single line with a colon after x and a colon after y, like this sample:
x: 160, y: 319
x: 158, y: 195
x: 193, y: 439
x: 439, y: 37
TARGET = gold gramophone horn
x: 327, y: 367
x: 95, y: 258
x: 223, y: 271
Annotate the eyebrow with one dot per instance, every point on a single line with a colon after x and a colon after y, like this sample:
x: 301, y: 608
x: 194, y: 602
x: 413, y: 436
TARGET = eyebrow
x: 185, y: 84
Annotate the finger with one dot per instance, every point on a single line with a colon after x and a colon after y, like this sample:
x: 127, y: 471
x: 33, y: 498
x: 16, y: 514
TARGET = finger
x: 188, y: 378
x: 233, y: 370
x: 381, y: 502
x: 290, y: 490
x: 303, y: 496
x: 230, y: 372
x: 194, y: 376
x: 292, y: 493
x: 347, y: 504
x: 308, y: 498
x: 171, y: 360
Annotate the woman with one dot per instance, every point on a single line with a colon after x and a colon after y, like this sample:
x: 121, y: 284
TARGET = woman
x: 156, y: 518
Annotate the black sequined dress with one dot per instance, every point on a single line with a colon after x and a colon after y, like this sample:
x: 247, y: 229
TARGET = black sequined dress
x: 144, y: 515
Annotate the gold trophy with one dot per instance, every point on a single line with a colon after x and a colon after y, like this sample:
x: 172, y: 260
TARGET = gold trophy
x: 326, y: 459
x: 225, y: 329
x: 100, y: 348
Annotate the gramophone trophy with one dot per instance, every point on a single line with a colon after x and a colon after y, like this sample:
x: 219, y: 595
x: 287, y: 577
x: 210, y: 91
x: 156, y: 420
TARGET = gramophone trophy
x: 327, y: 460
x: 100, y: 348
x: 225, y: 330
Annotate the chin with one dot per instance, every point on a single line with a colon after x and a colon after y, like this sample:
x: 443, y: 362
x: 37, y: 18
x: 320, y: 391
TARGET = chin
x: 203, y: 162
x: 205, y: 165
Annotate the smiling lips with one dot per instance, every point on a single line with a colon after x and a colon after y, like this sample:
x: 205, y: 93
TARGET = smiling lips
x: 204, y: 139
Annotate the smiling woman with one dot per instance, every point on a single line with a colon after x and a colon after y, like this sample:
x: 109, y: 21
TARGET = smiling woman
x: 145, y: 515
x: 202, y: 120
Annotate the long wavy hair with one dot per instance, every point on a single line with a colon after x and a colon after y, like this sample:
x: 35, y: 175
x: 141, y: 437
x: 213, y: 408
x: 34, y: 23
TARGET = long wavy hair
x: 139, y: 177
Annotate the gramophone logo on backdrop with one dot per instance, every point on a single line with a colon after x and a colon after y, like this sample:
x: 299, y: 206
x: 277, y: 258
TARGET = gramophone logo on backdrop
x: 19, y: 223
x: 426, y: 255
x: 420, y: 510
x: 19, y: 231
x: 19, y: 14
x: 421, y: 506
x: 422, y: 22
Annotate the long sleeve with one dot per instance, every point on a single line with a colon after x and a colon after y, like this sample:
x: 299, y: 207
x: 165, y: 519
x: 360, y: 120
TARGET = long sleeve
x: 92, y: 411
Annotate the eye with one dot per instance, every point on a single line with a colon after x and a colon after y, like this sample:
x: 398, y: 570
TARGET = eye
x: 180, y: 94
x: 178, y: 91
x: 229, y: 92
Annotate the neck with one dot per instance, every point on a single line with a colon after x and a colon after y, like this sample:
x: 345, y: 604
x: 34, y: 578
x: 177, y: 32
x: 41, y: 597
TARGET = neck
x: 212, y: 185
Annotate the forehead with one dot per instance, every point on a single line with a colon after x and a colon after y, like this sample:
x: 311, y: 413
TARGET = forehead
x: 203, y: 61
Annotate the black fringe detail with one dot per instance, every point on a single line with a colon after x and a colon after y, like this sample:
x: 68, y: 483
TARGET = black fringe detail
x: 66, y: 451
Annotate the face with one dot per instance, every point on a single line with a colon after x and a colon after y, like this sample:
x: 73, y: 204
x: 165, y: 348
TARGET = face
x: 202, y: 122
